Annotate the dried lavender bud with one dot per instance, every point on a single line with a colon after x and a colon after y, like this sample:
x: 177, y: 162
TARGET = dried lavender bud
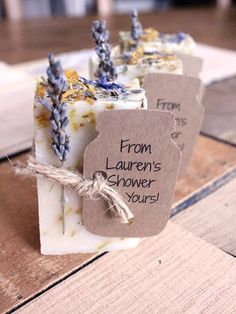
x: 136, y: 27
x: 55, y: 76
x: 101, y: 37
x: 56, y: 86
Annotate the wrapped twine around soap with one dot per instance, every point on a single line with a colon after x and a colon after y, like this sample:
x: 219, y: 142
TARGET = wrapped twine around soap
x: 94, y: 189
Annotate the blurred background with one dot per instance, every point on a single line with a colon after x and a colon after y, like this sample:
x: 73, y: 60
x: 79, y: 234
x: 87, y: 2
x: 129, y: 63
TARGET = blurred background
x: 29, y: 9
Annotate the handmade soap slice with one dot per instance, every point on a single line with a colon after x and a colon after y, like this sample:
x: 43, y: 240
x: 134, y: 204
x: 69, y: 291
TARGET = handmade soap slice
x: 126, y: 66
x: 152, y: 40
x: 141, y: 163
x: 61, y: 228
x: 182, y: 96
x: 137, y: 64
x: 192, y: 65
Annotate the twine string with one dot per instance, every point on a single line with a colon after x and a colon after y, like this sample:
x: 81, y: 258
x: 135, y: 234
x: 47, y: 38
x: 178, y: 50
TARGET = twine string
x: 94, y: 189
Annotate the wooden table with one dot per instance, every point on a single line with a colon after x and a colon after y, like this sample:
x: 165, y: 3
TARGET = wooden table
x: 174, y: 272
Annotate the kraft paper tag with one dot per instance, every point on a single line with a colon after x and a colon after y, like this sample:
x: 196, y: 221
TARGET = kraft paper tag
x: 192, y: 66
x: 180, y: 95
x: 135, y: 150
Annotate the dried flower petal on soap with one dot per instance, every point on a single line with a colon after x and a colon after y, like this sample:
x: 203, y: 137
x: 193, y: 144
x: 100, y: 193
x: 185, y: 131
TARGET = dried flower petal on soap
x: 136, y: 56
x: 40, y: 89
x: 90, y: 117
x: 149, y: 34
x: 109, y: 106
x: 42, y: 120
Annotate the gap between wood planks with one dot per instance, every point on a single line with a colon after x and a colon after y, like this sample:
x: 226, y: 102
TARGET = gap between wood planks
x: 215, y: 138
x: 57, y: 282
x: 180, y: 206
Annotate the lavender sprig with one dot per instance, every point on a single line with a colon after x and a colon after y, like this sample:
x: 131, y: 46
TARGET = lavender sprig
x: 56, y: 86
x: 103, y: 50
x: 136, y: 27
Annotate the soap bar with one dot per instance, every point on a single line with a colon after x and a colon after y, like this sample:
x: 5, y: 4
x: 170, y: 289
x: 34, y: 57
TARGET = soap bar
x: 152, y: 40
x: 137, y: 64
x: 84, y: 102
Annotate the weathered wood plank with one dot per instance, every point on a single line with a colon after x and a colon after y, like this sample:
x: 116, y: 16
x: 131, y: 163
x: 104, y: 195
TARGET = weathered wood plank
x: 220, y: 110
x: 204, y: 191
x: 174, y: 272
x: 23, y: 269
x: 210, y: 159
x: 16, y: 114
x: 213, y: 218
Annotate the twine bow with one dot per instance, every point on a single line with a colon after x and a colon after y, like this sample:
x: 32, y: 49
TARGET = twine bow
x: 96, y: 188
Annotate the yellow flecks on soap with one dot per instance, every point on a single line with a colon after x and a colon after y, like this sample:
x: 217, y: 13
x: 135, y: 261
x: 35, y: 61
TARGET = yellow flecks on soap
x: 74, y: 126
x: 128, y: 44
x: 84, y: 94
x: 71, y: 75
x: 78, y: 90
x: 149, y: 34
x: 172, y: 67
x: 69, y: 93
x: 68, y: 211
x: 161, y: 59
x: 59, y: 218
x: 89, y: 100
x: 38, y: 141
x: 136, y: 55
x: 72, y: 114
x: 42, y: 120
x: 110, y: 106
x: 40, y: 90
x: 170, y: 58
x: 101, y: 246
x: 91, y: 88
x: 90, y: 117
x: 79, y: 165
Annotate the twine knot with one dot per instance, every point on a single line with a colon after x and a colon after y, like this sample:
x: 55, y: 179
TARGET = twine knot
x: 94, y: 189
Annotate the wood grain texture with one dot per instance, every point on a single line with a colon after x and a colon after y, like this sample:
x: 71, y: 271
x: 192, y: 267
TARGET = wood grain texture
x: 220, y: 110
x: 204, y: 191
x: 23, y: 269
x: 174, y: 272
x: 213, y: 218
x: 16, y: 117
x: 210, y: 159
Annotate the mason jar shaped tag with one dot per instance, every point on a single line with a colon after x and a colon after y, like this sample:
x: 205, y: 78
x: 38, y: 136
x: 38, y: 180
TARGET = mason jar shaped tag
x: 182, y: 96
x: 192, y: 65
x: 136, y: 154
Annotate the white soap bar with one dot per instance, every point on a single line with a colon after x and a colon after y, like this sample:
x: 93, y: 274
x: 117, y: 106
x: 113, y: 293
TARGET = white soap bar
x: 81, y: 129
x: 139, y: 64
x: 152, y: 40
x: 149, y: 64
